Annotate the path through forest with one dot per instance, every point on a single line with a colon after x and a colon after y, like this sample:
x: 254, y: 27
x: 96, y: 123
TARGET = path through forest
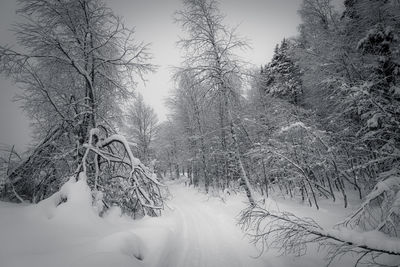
x: 195, y: 230
x: 204, y: 233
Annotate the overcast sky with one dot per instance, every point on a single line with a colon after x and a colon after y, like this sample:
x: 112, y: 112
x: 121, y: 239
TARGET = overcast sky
x: 263, y: 22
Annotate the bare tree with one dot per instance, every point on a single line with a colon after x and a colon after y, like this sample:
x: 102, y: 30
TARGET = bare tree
x: 188, y: 104
x: 171, y: 152
x: 77, y: 61
x: 142, y: 126
x: 81, y: 41
x: 209, y: 50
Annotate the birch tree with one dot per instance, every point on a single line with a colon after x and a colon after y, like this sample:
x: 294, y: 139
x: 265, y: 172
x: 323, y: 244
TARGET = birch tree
x: 189, y: 99
x: 142, y: 126
x: 209, y: 47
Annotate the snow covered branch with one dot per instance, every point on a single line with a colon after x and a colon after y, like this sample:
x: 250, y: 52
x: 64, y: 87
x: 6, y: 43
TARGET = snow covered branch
x: 380, y: 210
x: 292, y: 235
x: 142, y: 186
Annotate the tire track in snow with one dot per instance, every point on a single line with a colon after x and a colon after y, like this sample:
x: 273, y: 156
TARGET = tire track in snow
x: 200, y: 238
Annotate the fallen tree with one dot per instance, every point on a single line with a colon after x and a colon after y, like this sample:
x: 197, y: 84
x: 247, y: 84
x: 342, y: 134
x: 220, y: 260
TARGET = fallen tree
x: 370, y: 232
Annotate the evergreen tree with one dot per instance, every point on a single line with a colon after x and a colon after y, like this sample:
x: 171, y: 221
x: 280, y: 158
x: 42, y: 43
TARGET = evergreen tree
x: 283, y: 76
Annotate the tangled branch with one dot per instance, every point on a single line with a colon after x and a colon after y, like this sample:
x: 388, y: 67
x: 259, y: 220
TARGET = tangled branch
x: 143, y: 185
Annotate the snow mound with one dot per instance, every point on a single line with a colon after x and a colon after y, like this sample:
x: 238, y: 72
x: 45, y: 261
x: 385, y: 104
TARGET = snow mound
x: 73, y: 200
x: 65, y: 230
x: 125, y: 243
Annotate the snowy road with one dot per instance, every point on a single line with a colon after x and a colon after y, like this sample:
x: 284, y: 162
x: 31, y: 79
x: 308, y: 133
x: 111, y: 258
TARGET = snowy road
x: 197, y: 231
x: 204, y: 233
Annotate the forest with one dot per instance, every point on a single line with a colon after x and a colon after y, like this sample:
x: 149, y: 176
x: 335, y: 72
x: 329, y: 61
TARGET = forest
x: 317, y: 126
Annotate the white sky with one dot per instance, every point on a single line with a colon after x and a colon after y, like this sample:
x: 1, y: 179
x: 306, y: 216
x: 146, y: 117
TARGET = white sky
x: 264, y: 22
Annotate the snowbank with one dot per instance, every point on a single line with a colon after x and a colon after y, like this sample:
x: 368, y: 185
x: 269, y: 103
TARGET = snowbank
x: 196, y: 230
x: 65, y: 230
x: 73, y: 200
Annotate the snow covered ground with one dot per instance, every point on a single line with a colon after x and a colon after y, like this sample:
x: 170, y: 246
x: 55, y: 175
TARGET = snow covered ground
x: 196, y: 230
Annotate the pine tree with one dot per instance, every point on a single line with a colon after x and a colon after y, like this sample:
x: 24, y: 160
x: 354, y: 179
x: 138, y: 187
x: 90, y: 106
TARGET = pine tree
x: 283, y: 76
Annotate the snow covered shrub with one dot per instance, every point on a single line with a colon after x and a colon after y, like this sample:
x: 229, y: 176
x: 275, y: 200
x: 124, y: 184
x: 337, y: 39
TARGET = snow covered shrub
x: 301, y: 162
x: 113, y: 174
x: 297, y: 158
x: 380, y: 210
x: 9, y: 159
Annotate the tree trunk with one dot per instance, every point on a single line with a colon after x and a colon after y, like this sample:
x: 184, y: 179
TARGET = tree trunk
x: 265, y: 178
x: 243, y: 173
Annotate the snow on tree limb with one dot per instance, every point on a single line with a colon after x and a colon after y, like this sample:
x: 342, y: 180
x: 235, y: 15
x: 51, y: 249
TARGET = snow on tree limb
x: 291, y: 235
x: 144, y: 183
x: 382, y: 205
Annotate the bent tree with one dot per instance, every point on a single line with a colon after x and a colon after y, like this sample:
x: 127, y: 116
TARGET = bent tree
x: 77, y: 62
